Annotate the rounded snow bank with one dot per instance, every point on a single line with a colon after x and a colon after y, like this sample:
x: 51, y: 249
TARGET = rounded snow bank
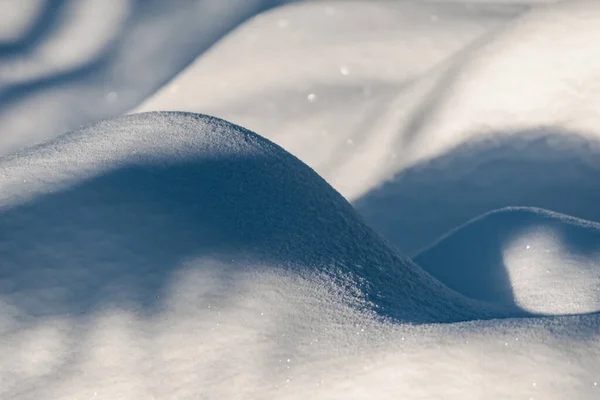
x: 540, y: 261
x: 123, y: 204
x: 542, y: 70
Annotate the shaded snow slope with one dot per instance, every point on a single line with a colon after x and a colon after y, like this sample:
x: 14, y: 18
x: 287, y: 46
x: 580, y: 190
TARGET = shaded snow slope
x: 173, y: 255
x: 536, y: 260
x: 128, y: 201
x: 408, y: 100
x: 178, y: 256
x: 64, y: 63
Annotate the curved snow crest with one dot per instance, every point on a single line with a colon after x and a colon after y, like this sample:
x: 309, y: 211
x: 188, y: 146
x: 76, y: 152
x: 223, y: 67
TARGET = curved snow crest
x: 530, y: 258
x: 139, y: 195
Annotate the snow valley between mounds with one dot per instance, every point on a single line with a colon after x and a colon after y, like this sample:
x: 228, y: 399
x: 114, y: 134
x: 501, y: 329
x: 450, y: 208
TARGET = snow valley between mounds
x: 174, y: 255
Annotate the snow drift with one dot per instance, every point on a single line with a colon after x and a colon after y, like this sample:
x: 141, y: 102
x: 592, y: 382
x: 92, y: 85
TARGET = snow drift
x: 178, y: 256
x: 172, y: 254
x: 540, y: 261
x: 124, y: 202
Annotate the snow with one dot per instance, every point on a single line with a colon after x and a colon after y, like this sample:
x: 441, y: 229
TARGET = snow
x: 414, y: 126
x: 415, y: 217
x: 539, y: 261
x: 193, y: 186
x: 287, y: 83
x: 70, y: 63
x: 167, y: 252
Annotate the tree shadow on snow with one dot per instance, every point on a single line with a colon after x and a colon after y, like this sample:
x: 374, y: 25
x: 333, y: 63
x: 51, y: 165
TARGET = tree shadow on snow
x: 81, y: 91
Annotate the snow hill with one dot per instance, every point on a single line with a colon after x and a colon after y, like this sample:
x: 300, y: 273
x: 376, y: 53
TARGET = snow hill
x: 139, y: 195
x: 173, y: 254
x: 539, y: 261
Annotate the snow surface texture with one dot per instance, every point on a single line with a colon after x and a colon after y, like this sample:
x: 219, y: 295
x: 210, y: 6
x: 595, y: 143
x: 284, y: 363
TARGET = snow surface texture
x: 180, y: 256
x: 64, y: 63
x: 421, y: 110
x: 172, y: 255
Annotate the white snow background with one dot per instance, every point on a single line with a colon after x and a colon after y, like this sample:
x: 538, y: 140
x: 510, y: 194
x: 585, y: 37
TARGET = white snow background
x: 418, y: 219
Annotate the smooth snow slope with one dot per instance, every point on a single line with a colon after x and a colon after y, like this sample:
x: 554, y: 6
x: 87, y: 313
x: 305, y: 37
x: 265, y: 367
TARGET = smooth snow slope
x: 420, y: 110
x: 174, y: 255
x: 536, y: 260
x: 67, y: 63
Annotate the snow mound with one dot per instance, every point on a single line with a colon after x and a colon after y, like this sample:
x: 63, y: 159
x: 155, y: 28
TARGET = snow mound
x: 128, y: 200
x: 539, y: 261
